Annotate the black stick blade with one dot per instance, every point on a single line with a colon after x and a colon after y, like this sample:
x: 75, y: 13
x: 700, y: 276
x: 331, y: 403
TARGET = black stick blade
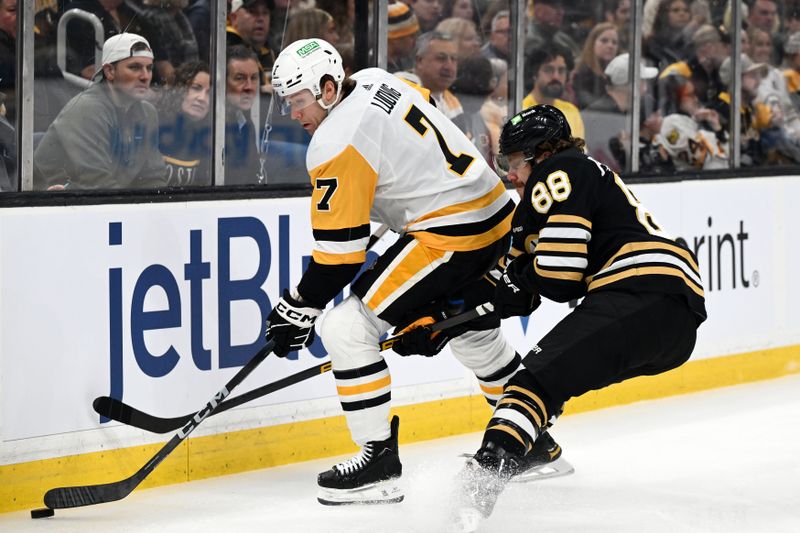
x: 122, y: 412
x: 68, y: 497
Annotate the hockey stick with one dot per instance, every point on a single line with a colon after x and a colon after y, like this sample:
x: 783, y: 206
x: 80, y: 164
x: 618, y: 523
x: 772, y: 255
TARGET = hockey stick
x: 121, y: 412
x: 453, y: 321
x: 78, y: 496
x: 375, y: 237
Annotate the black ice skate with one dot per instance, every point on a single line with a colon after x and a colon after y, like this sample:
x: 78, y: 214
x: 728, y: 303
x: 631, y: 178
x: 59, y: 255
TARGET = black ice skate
x: 370, y: 477
x: 480, y: 483
x: 544, y: 461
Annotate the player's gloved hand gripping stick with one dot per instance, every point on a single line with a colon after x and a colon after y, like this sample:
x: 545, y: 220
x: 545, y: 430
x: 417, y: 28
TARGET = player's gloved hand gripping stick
x: 121, y: 412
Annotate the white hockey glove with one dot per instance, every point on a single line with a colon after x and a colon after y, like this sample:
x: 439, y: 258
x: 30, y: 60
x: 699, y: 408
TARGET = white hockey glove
x: 291, y: 324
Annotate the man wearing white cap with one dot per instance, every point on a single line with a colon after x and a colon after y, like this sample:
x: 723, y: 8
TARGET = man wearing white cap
x: 106, y: 137
x: 607, y: 119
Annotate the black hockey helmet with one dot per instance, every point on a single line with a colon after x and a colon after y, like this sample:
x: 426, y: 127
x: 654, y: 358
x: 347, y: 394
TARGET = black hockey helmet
x: 529, y: 128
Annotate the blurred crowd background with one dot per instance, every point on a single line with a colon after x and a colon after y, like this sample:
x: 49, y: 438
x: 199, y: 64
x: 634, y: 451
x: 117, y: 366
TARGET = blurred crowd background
x: 575, y: 54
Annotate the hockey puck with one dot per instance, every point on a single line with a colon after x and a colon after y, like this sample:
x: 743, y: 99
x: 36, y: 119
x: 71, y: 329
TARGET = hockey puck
x: 44, y: 512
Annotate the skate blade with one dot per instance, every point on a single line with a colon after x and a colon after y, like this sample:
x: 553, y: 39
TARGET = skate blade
x: 383, y: 492
x: 559, y: 467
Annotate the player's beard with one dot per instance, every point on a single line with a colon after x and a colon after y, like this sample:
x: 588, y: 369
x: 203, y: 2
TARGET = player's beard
x: 554, y: 89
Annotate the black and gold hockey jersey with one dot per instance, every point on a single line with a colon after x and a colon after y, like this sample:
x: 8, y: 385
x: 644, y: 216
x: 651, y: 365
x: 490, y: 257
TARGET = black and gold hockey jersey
x: 586, y: 231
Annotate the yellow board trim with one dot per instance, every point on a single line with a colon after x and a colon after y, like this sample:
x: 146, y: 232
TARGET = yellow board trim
x: 24, y: 484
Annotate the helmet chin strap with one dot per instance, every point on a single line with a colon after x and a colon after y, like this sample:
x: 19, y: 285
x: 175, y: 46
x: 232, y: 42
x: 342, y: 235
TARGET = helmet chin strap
x: 328, y: 107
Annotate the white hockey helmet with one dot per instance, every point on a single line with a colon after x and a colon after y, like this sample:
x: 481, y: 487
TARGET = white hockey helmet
x: 301, y: 66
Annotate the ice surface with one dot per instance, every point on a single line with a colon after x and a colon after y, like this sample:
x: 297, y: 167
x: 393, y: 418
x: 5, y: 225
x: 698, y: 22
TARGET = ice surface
x: 726, y: 460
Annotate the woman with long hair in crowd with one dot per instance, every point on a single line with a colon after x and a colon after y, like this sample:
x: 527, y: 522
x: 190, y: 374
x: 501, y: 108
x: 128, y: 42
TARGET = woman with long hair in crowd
x: 464, y: 33
x: 310, y: 23
x: 185, y: 128
x: 588, y: 78
x: 670, y: 40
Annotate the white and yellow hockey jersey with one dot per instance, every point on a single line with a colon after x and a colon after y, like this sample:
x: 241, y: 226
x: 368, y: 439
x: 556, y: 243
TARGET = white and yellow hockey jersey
x: 386, y: 154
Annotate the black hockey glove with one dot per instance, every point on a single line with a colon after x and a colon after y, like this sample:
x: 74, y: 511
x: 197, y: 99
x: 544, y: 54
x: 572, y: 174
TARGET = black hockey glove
x: 417, y: 338
x: 291, y: 324
x: 510, y: 299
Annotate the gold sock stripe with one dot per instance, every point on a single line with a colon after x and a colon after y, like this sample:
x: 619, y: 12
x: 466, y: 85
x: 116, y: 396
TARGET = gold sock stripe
x: 349, y: 390
x: 532, y: 396
x: 513, y: 433
x: 537, y: 418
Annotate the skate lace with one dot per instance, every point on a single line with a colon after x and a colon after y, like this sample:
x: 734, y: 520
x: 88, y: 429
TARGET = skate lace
x: 355, y: 463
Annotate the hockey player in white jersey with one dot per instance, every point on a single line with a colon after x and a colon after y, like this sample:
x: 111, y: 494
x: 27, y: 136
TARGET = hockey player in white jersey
x: 380, y: 151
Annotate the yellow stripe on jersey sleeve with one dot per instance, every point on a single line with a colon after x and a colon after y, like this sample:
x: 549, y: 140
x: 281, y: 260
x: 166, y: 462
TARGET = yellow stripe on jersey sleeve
x: 348, y: 206
x: 569, y: 219
x: 567, y: 247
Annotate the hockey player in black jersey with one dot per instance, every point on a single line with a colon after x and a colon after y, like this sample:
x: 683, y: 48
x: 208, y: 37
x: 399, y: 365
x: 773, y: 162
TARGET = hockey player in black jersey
x: 578, y: 232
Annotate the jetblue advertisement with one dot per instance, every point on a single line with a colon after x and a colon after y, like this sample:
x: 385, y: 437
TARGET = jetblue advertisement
x: 160, y: 304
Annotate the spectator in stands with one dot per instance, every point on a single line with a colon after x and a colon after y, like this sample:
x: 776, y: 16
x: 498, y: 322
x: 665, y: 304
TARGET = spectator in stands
x: 402, y: 35
x: 170, y: 32
x: 549, y: 67
x: 8, y: 151
x: 116, y: 17
x: 310, y: 23
x: 792, y: 71
x: 588, y: 78
x: 463, y: 33
x: 107, y: 136
x: 50, y: 93
x: 249, y: 26
x: 606, y: 119
x: 688, y: 147
x: 763, y: 14
x: 495, y: 109
x: 474, y: 85
x: 344, y: 17
x: 428, y: 12
x: 464, y: 9
x: 280, y: 15
x: 762, y: 143
x: 185, y: 130
x: 499, y: 41
x: 669, y: 43
x: 242, y: 157
x: 8, y: 55
x: 772, y: 90
x: 702, y: 67
x: 488, y: 13
x: 618, y: 13
x: 436, y: 65
x: 546, y: 28
x: 199, y: 14
x: 678, y: 96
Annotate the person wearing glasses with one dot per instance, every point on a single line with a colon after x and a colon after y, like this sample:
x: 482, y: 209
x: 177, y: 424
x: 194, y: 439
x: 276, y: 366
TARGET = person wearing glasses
x: 498, y: 44
x: 578, y: 232
x: 106, y: 137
